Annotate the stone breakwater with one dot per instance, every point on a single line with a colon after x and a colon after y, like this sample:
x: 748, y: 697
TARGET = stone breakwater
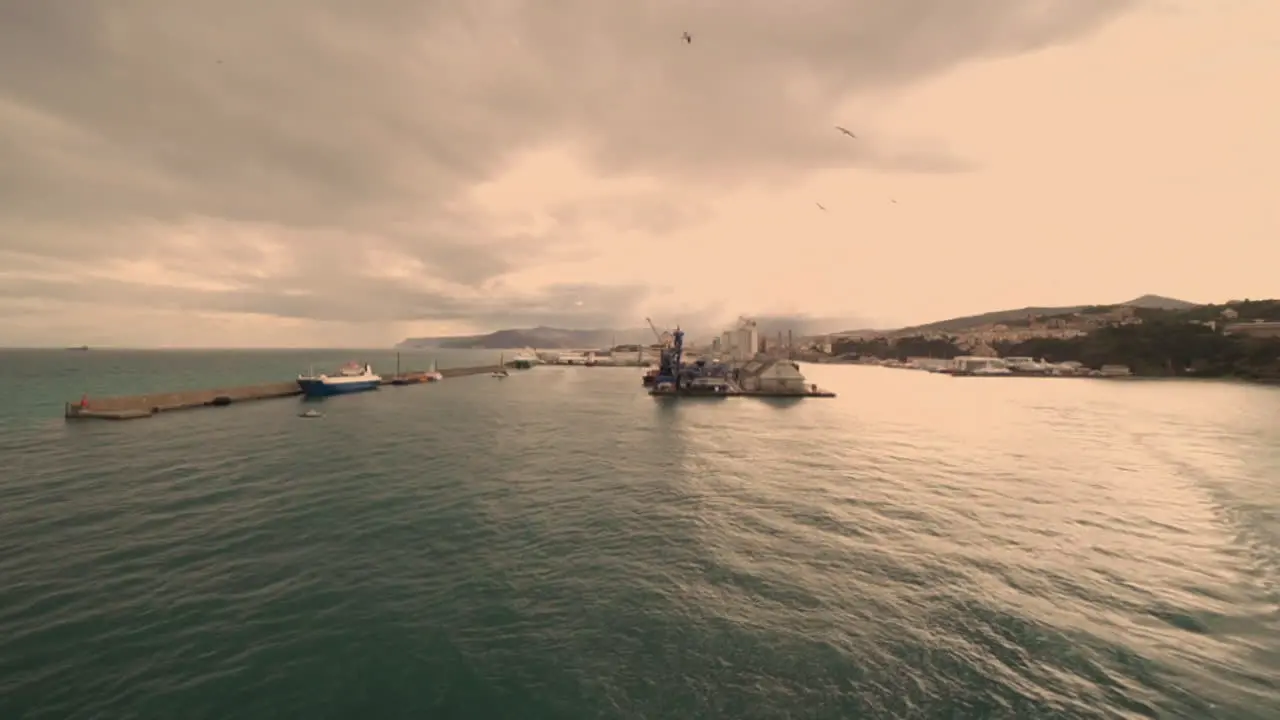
x: 129, y: 407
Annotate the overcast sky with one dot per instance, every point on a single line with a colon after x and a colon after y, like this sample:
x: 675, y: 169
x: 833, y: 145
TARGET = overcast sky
x: 326, y: 172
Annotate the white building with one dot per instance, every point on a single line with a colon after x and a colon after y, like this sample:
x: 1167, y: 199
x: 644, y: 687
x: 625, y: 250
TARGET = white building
x: 774, y: 376
x: 976, y: 363
x: 742, y: 343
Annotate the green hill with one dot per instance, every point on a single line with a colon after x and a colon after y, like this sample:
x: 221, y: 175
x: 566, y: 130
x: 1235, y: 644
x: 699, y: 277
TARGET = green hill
x: 1146, y: 302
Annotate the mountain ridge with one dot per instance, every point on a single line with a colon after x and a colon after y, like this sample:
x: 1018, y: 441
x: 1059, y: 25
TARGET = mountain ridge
x: 552, y: 338
x: 957, y: 324
x: 541, y: 337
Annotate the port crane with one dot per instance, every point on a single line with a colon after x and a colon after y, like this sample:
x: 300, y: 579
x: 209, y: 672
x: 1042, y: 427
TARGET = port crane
x: 664, y: 338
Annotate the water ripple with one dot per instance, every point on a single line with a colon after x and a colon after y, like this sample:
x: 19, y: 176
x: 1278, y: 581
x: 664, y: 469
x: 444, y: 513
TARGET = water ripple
x: 557, y: 545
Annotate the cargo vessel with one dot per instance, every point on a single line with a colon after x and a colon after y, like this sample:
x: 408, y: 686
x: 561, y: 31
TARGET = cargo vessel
x: 352, y: 377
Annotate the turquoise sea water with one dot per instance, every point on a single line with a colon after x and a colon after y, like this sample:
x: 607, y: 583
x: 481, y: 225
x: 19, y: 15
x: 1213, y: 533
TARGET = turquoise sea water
x: 560, y: 545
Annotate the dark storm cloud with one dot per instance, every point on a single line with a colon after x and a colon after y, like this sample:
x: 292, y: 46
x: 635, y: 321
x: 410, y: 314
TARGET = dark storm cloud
x: 346, y: 120
x: 567, y: 305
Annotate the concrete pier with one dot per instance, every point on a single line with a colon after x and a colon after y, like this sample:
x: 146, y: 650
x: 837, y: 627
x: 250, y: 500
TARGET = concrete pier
x: 129, y: 407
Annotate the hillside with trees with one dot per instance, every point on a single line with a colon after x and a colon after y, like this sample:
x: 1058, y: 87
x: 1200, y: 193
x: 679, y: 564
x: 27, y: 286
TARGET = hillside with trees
x: 1022, y: 315
x: 1166, y: 343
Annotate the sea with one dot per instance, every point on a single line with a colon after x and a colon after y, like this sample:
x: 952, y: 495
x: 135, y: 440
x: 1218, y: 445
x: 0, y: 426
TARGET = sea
x: 558, y: 544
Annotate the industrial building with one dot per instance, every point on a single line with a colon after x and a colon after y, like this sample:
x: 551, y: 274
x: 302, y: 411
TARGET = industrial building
x: 740, y: 368
x: 740, y: 344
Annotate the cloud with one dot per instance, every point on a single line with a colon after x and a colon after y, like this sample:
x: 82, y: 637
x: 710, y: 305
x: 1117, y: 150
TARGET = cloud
x: 314, y: 158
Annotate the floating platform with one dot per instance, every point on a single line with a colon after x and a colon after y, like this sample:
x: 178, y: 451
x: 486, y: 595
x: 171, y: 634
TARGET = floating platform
x: 742, y: 393
x: 132, y: 407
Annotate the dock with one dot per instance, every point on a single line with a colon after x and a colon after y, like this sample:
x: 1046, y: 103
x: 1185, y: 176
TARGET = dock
x: 132, y: 407
x: 729, y: 388
x: 683, y: 393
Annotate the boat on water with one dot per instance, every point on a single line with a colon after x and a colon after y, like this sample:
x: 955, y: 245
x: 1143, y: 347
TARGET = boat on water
x: 501, y: 372
x: 352, y: 377
x: 433, y: 375
x: 1115, y: 371
x: 972, y: 366
x: 574, y: 357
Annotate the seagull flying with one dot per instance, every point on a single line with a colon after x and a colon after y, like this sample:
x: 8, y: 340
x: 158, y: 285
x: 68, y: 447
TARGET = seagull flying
x: 688, y: 39
x: 846, y: 132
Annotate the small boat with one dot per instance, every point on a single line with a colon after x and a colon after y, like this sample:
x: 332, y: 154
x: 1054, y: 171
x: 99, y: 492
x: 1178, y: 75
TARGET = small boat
x: 1115, y: 371
x: 972, y: 366
x: 573, y: 357
x: 433, y: 375
x: 313, y: 413
x: 352, y: 377
x: 406, y: 378
x: 501, y: 372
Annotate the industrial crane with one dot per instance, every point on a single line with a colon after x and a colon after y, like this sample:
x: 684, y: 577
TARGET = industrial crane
x: 664, y: 338
x: 672, y: 344
x: 669, y: 367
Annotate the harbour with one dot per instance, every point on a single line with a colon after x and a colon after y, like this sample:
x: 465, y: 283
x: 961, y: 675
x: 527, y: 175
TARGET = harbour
x: 734, y: 364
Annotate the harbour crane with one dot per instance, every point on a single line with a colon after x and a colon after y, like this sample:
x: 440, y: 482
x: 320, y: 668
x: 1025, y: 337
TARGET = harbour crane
x: 664, y: 338
x: 672, y: 349
x: 669, y: 367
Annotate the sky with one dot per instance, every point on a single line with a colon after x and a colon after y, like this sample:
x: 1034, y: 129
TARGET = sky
x: 328, y: 173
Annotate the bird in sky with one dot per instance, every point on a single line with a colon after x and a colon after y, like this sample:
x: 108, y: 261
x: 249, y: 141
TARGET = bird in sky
x: 688, y: 39
x: 847, y: 132
x: 820, y: 207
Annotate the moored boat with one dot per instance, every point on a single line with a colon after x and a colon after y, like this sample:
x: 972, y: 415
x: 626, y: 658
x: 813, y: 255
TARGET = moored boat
x: 433, y: 375
x: 501, y: 372
x: 352, y: 377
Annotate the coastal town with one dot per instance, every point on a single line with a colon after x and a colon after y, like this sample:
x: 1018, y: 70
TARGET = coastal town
x: 1240, y: 338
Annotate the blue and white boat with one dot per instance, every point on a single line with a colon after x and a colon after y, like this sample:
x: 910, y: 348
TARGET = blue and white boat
x: 352, y: 377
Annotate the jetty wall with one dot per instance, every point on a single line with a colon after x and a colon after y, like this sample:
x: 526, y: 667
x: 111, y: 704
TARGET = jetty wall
x: 123, y: 407
x: 180, y: 400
